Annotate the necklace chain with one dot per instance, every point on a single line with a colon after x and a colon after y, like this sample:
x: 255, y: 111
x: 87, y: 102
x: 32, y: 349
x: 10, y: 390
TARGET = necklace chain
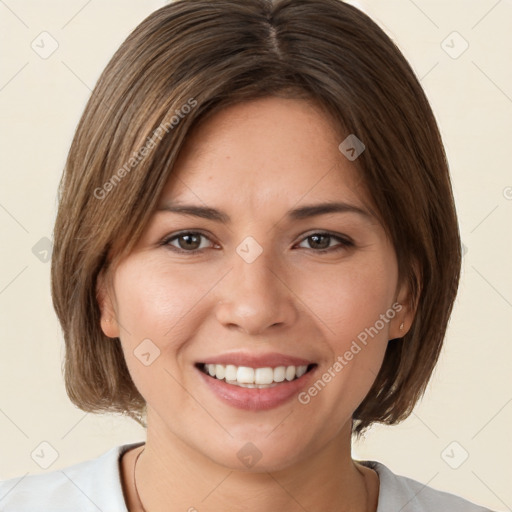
x: 367, y: 491
x: 135, y: 482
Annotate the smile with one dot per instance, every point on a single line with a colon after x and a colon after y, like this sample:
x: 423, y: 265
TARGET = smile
x: 247, y: 377
x: 262, y: 386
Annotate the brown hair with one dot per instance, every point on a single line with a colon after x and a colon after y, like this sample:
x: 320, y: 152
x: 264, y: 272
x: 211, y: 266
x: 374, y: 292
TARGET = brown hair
x: 209, y: 55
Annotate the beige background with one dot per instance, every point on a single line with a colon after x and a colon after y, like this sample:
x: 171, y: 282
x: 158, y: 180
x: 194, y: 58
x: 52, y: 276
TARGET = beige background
x: 469, y: 400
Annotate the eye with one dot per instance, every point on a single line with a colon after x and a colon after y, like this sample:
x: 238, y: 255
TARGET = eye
x: 189, y: 241
x: 321, y: 242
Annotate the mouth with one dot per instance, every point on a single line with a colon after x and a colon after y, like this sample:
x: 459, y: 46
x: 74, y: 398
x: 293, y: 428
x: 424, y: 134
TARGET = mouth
x: 255, y: 381
x: 255, y: 377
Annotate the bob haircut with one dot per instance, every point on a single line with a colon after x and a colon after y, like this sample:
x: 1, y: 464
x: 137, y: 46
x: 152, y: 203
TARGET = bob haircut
x: 192, y: 58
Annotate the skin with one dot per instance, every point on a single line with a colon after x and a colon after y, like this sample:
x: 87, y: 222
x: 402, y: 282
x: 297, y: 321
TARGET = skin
x: 255, y: 161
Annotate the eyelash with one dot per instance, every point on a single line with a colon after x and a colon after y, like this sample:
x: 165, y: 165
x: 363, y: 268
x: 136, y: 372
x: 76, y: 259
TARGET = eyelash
x: 345, y: 242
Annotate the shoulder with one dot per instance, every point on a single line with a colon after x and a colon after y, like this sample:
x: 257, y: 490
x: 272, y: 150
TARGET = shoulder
x: 87, y: 486
x: 407, y: 495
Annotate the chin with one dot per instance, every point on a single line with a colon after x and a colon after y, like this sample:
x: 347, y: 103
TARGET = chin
x: 257, y: 452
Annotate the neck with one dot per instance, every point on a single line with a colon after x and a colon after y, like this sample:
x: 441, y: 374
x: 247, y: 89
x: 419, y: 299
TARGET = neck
x: 171, y: 472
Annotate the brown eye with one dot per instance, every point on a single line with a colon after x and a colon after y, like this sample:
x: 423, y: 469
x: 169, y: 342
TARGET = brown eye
x: 321, y: 242
x: 186, y: 242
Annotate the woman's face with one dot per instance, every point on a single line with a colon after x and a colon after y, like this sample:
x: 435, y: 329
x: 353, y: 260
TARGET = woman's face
x: 257, y: 280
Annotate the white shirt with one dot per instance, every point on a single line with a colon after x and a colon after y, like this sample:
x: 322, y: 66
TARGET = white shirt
x: 95, y: 486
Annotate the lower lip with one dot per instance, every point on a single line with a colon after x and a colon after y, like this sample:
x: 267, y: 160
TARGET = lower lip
x: 256, y: 399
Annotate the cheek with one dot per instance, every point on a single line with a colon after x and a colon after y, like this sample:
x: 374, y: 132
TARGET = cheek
x: 354, y: 304
x: 348, y: 300
x: 154, y: 301
x: 155, y: 308
x: 161, y: 303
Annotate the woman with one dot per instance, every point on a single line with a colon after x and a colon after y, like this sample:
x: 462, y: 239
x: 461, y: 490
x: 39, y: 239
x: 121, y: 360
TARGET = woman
x: 256, y: 255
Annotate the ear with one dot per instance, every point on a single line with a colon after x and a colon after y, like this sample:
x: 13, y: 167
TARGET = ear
x: 405, y: 305
x: 108, y: 317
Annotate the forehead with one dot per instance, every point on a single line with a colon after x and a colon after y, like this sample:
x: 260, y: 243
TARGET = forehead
x: 263, y: 153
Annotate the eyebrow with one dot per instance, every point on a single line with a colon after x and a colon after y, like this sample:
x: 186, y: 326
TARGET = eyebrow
x: 300, y: 213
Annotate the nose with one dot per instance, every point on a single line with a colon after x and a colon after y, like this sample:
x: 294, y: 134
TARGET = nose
x: 256, y: 296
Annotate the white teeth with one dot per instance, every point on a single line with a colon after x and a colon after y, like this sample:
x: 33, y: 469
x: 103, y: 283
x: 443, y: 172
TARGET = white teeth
x: 254, y: 377
x: 301, y: 370
x: 263, y: 376
x: 230, y: 372
x: 245, y: 375
x: 279, y: 373
x: 220, y: 371
x: 290, y: 372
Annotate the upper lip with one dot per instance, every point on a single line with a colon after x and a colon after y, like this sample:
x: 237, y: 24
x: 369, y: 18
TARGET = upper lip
x: 270, y: 359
